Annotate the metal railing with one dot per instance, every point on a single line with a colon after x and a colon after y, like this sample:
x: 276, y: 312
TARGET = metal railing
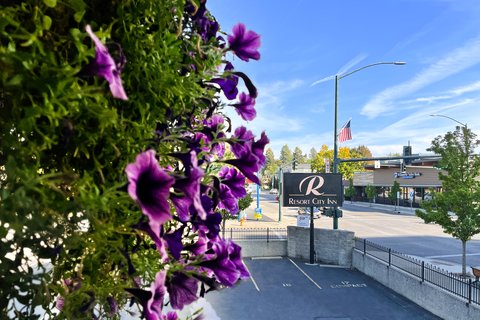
x: 266, y: 234
x: 455, y: 284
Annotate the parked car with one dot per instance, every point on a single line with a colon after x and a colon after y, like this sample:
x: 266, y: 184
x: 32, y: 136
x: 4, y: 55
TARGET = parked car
x: 306, y: 211
x: 427, y: 196
x: 273, y: 191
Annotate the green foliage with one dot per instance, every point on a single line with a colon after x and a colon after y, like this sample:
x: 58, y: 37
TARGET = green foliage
x: 456, y: 209
x: 286, y: 156
x: 392, y: 195
x: 461, y: 189
x: 371, y: 192
x: 347, y: 169
x: 350, y: 191
x: 64, y: 142
x: 299, y: 156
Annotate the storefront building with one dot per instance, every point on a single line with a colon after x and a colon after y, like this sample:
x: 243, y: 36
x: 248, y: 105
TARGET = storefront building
x: 417, y: 181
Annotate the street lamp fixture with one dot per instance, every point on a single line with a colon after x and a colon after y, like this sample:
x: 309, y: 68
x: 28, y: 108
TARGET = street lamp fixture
x: 335, y: 129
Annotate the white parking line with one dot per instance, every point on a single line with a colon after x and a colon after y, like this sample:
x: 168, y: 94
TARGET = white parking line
x: 452, y: 255
x: 251, y: 277
x: 306, y: 275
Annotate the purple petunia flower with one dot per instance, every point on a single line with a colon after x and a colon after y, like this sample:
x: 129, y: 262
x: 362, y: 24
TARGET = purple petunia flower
x: 245, y: 107
x: 226, y: 262
x: 112, y: 303
x: 234, y: 180
x: 189, y: 186
x: 59, y: 302
x: 228, y: 84
x: 104, y: 66
x: 182, y: 290
x: 174, y: 241
x: 171, y: 315
x: 227, y: 200
x: 149, y: 185
x: 248, y: 152
x: 155, y: 303
x: 244, y: 43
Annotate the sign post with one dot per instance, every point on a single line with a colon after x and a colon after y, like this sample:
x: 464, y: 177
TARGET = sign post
x: 312, y: 190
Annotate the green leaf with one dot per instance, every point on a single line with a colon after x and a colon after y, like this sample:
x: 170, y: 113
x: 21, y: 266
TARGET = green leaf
x: 79, y: 15
x: 50, y: 3
x: 47, y: 22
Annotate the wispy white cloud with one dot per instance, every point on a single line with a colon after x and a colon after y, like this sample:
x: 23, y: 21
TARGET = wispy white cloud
x: 350, y: 64
x: 343, y: 69
x: 458, y: 60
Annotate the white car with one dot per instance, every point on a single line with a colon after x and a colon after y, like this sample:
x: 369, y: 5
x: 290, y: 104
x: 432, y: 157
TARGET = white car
x: 273, y: 191
x: 427, y: 196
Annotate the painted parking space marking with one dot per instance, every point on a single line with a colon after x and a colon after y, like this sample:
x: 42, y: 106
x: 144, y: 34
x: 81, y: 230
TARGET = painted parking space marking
x: 347, y: 284
x: 251, y: 277
x: 306, y: 275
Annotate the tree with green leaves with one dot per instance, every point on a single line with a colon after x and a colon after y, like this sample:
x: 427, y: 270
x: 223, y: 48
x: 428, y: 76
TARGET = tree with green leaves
x: 457, y: 209
x: 322, y: 156
x: 392, y: 195
x: 312, y: 155
x: 371, y: 192
x: 299, y: 156
x: 286, y: 156
x: 271, y: 166
x: 350, y: 191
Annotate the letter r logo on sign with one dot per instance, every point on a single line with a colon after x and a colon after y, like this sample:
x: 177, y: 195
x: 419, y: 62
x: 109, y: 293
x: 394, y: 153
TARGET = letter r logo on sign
x: 314, y: 183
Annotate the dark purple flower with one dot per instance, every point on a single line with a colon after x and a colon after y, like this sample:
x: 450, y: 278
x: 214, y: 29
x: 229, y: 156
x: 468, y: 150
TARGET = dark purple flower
x: 149, y: 185
x: 155, y: 303
x: 258, y: 148
x: 207, y: 28
x: 244, y: 43
x: 171, y: 315
x: 200, y: 246
x: 182, y: 290
x: 214, y: 122
x: 112, y: 303
x: 245, y: 107
x: 104, y: 66
x: 244, y: 140
x: 189, y: 186
x: 174, y: 241
x: 227, y: 200
x: 248, y: 164
x: 234, y: 253
x: 224, y: 269
x: 234, y: 180
x: 228, y: 84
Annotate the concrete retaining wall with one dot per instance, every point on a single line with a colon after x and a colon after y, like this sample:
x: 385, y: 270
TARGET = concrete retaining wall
x: 431, y: 298
x: 331, y: 246
x: 256, y: 248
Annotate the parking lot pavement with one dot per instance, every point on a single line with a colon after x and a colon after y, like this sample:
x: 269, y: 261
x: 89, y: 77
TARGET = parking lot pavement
x: 284, y: 288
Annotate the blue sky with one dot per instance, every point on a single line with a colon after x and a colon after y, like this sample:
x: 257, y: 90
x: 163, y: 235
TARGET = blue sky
x: 305, y: 41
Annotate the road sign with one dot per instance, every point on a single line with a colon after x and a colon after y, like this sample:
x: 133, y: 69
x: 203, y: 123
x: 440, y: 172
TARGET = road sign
x: 312, y: 190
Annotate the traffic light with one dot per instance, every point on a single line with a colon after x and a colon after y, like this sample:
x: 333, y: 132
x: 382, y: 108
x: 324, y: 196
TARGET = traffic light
x: 294, y: 162
x: 407, y: 151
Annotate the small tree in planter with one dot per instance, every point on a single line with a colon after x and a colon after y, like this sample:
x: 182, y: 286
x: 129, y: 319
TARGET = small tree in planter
x: 371, y: 193
x: 393, y: 193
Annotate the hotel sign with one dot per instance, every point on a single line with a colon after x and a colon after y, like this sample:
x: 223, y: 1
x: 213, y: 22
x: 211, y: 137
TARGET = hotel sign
x: 312, y: 190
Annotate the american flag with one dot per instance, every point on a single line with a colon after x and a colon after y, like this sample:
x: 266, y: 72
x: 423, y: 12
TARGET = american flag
x: 345, y: 133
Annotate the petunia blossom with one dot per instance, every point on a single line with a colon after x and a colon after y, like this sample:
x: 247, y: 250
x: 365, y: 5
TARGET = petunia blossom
x: 228, y: 84
x: 104, y: 66
x: 150, y: 185
x: 227, y: 200
x: 158, y: 290
x: 225, y: 263
x: 182, y: 290
x: 245, y: 107
x: 244, y: 43
x: 234, y: 180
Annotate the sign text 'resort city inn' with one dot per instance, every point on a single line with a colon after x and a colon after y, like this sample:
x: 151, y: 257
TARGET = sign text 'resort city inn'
x: 312, y: 190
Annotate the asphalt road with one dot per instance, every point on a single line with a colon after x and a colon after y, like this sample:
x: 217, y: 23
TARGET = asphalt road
x: 403, y: 232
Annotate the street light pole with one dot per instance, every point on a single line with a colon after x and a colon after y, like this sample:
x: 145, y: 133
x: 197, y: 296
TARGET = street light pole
x: 444, y: 116
x: 335, y: 125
